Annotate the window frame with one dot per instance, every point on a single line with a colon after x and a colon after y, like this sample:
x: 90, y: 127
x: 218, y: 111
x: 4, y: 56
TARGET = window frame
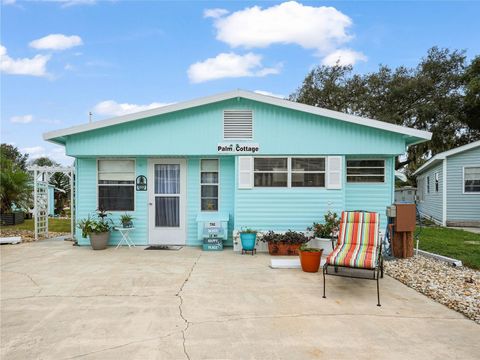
x: 238, y: 139
x: 374, y: 167
x: 133, y: 185
x: 289, y: 172
x: 428, y: 184
x: 436, y: 178
x: 217, y: 184
x: 463, y: 180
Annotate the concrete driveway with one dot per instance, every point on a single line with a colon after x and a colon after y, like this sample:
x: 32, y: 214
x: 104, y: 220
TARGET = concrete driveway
x: 64, y: 302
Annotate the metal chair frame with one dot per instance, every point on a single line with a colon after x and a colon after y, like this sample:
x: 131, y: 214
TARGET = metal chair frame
x: 377, y: 272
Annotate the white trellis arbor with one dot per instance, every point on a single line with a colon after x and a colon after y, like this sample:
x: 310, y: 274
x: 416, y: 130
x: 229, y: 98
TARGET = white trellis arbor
x: 41, y: 178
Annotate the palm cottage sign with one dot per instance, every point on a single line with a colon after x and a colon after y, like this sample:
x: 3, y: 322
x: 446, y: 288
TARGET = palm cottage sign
x: 229, y: 148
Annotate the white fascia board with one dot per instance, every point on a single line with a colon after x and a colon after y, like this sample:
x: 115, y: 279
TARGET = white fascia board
x: 446, y: 154
x: 422, y: 135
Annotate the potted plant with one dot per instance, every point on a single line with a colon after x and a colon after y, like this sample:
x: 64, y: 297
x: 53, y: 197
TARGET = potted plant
x: 248, y: 238
x: 309, y: 258
x: 324, y: 232
x: 126, y: 220
x: 97, y: 230
x: 284, y: 244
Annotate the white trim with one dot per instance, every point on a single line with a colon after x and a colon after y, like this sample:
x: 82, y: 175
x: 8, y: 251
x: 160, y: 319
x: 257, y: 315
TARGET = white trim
x: 134, y: 182
x: 444, y: 193
x: 420, y: 134
x: 218, y: 185
x: 445, y: 154
x: 463, y: 180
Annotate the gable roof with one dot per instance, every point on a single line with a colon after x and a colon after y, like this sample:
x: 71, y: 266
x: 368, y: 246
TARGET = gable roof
x: 445, y: 154
x: 414, y: 136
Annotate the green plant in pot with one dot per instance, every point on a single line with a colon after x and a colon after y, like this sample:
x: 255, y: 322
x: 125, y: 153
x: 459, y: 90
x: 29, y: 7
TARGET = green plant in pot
x: 98, y: 230
x: 284, y: 244
x: 328, y: 228
x: 248, y: 238
x: 126, y: 220
x: 310, y: 258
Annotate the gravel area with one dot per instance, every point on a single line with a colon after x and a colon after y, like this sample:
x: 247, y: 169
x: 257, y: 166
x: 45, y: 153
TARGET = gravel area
x: 457, y: 288
x: 27, y: 235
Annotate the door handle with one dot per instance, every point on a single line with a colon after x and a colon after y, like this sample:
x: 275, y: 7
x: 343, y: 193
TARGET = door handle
x: 150, y: 203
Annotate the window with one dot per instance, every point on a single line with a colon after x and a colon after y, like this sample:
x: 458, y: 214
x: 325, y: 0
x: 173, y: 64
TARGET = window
x: 308, y: 172
x: 238, y: 124
x: 471, y: 180
x: 209, y: 184
x: 436, y: 182
x: 116, y: 185
x: 365, y: 171
x: 274, y: 172
x: 428, y: 184
x: 270, y: 172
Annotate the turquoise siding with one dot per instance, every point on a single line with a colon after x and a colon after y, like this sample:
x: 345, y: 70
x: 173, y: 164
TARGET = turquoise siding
x: 432, y: 204
x: 460, y: 206
x: 87, y: 203
x: 51, y: 200
x: 197, y: 131
x: 226, y: 195
x: 372, y: 196
x: 297, y: 208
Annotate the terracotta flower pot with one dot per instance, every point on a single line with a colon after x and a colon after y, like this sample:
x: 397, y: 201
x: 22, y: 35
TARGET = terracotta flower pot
x: 280, y: 248
x: 310, y: 260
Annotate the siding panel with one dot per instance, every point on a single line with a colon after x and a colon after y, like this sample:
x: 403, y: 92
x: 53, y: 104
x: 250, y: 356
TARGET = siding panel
x: 460, y: 206
x: 431, y: 206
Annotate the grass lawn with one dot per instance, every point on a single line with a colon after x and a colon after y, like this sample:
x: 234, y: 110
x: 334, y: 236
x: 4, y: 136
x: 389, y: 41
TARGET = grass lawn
x: 457, y: 244
x: 54, y: 225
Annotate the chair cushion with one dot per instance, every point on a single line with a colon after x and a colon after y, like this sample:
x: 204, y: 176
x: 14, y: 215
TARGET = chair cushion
x: 359, y: 227
x: 361, y: 256
x: 357, y: 240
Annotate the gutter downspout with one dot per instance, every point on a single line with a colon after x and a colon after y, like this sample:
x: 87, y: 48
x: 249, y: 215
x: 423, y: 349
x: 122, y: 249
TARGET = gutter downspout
x: 444, y: 193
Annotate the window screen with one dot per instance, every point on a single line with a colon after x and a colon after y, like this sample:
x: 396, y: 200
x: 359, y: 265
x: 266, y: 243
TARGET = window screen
x: 209, y: 184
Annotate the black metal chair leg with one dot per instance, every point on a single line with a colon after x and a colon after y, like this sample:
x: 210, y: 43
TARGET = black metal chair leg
x: 378, y: 289
x: 323, y: 270
x: 381, y: 269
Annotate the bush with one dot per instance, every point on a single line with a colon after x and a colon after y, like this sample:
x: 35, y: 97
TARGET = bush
x: 290, y: 237
x: 326, y: 230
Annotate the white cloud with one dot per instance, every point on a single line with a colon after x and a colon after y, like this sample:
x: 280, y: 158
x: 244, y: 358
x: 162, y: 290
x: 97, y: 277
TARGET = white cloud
x: 268, y: 93
x: 56, y: 42
x: 56, y: 153
x: 343, y: 57
x: 113, y: 108
x: 230, y: 65
x: 215, y: 13
x: 320, y: 28
x: 8, y: 2
x: 21, y: 119
x: 35, y: 66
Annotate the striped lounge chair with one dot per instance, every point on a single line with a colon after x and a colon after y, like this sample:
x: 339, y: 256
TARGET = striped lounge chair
x: 359, y: 246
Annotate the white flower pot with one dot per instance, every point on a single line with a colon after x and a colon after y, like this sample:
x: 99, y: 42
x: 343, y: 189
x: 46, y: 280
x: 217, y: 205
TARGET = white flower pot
x: 321, y: 243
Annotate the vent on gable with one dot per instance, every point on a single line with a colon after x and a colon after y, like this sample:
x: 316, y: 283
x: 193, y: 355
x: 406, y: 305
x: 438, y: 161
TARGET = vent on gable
x: 237, y: 124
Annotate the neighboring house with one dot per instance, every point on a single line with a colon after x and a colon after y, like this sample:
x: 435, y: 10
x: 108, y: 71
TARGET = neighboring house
x: 405, y: 194
x: 258, y: 161
x: 448, y: 187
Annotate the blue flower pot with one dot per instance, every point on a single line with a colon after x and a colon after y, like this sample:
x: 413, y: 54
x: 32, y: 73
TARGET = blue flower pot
x: 248, y: 241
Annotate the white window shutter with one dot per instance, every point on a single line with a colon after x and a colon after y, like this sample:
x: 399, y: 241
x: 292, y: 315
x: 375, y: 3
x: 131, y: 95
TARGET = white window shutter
x: 334, y: 173
x: 245, y: 172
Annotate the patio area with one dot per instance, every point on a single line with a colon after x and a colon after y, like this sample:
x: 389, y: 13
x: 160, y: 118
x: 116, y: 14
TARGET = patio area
x: 65, y: 302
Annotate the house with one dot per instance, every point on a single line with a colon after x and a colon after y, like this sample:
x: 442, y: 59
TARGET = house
x: 256, y: 160
x: 448, y: 187
x: 405, y: 194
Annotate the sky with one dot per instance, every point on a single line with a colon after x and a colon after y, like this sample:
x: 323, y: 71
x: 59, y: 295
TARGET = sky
x: 62, y: 59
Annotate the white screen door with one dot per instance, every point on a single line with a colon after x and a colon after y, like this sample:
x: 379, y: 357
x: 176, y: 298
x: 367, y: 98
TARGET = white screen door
x: 167, y: 200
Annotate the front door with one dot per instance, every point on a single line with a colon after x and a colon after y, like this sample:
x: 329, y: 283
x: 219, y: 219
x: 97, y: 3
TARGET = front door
x: 167, y: 201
